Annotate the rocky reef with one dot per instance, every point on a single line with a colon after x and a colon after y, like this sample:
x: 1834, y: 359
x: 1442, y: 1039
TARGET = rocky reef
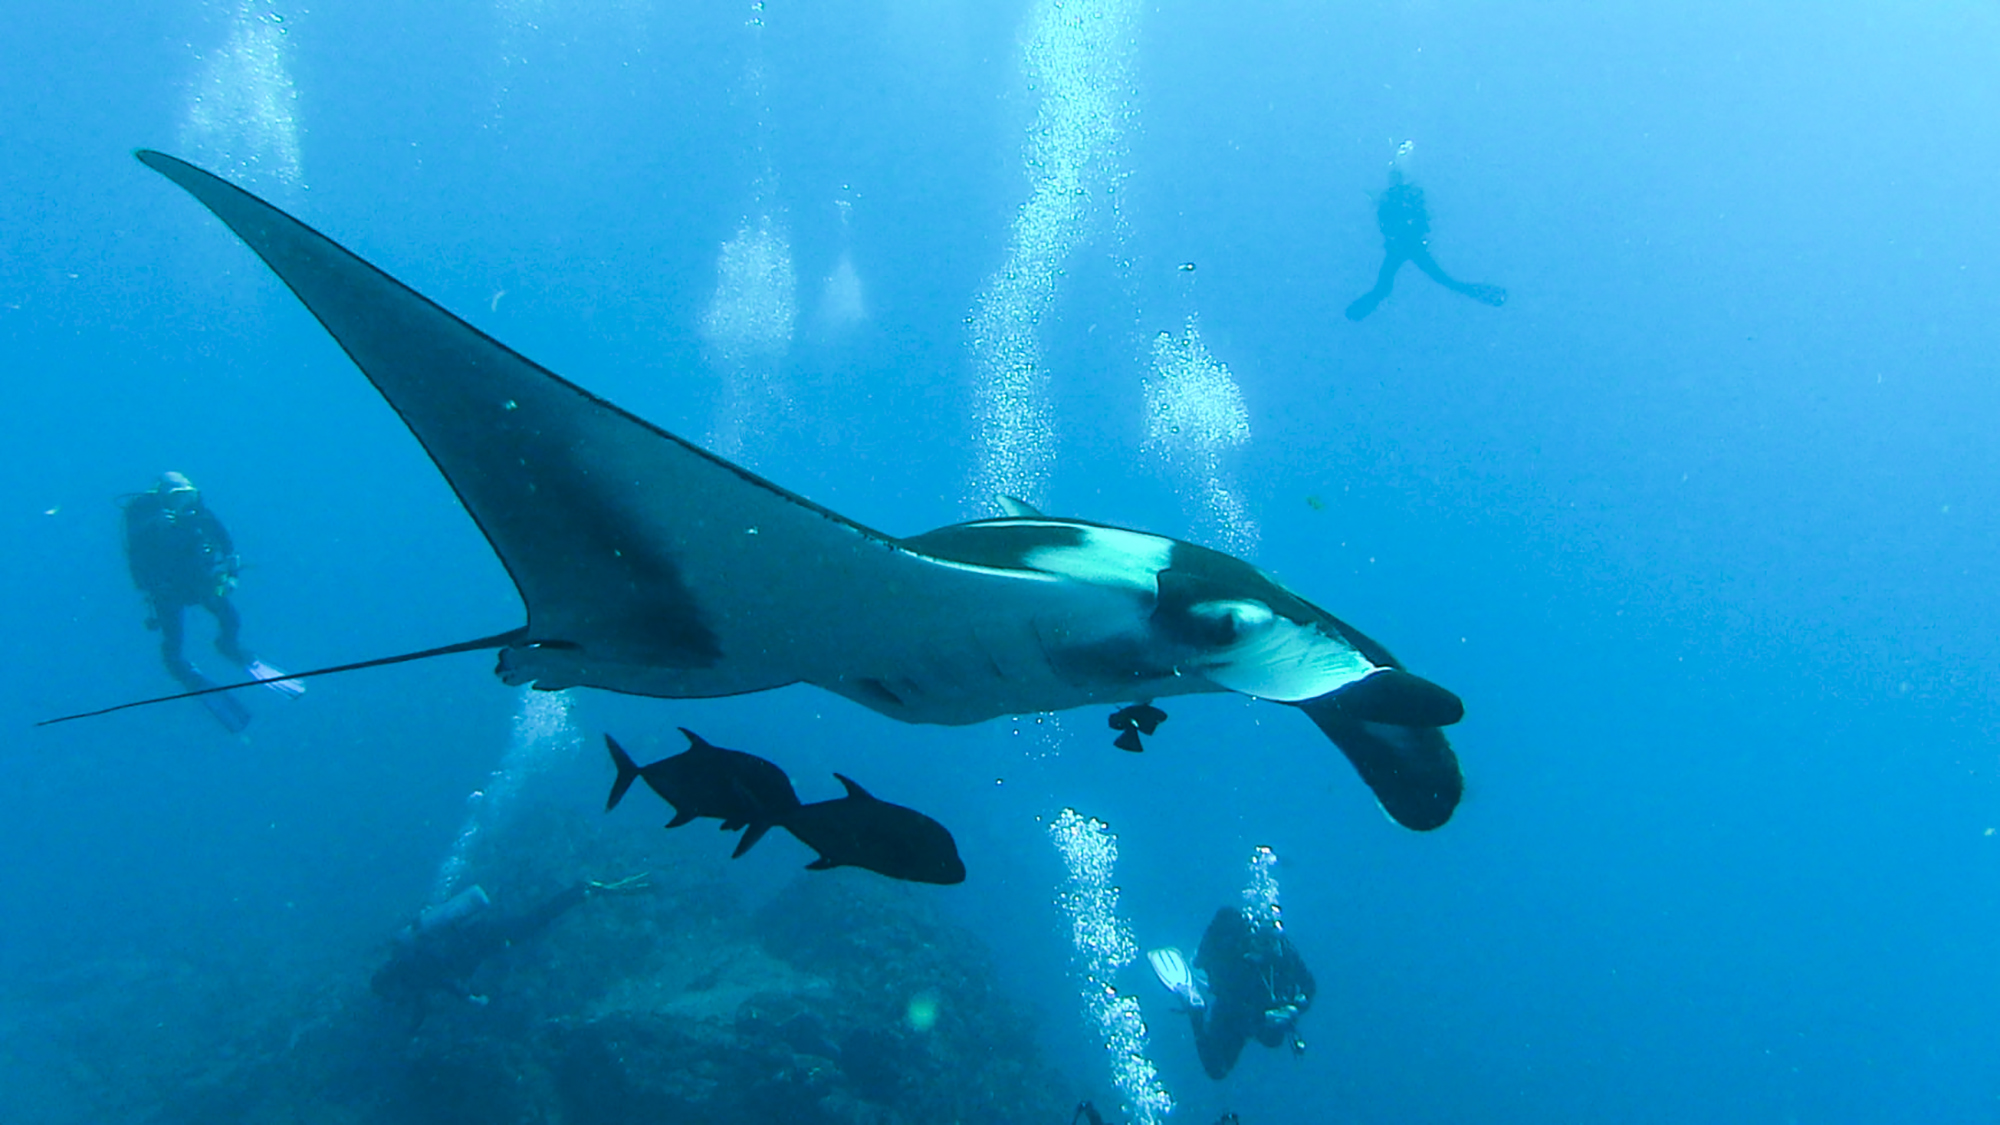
x: 843, y: 999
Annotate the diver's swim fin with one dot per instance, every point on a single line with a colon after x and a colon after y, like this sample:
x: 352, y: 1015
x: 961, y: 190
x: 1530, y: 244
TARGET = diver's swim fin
x: 1174, y: 974
x: 1484, y: 294
x: 1364, y: 304
x: 227, y: 709
x: 1129, y: 742
x: 274, y: 678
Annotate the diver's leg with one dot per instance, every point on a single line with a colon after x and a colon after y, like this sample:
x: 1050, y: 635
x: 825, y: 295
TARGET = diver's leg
x: 228, y: 629
x: 1385, y: 280
x: 173, y: 637
x: 1219, y: 1041
x: 1484, y: 294
x: 528, y: 924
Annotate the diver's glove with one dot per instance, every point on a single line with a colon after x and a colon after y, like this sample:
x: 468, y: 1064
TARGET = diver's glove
x: 224, y: 572
x: 1280, y: 1017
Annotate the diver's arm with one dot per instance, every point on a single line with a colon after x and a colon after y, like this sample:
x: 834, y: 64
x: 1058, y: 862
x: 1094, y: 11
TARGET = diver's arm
x: 221, y: 547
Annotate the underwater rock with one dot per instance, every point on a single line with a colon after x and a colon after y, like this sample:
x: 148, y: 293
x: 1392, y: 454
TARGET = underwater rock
x: 844, y: 1000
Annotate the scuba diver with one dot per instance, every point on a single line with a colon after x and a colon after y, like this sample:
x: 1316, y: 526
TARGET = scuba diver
x: 1248, y: 981
x: 1406, y: 229
x: 445, y: 944
x: 180, y: 555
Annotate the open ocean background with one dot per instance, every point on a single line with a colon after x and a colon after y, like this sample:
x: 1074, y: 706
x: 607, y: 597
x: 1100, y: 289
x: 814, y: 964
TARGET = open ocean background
x: 1701, y: 525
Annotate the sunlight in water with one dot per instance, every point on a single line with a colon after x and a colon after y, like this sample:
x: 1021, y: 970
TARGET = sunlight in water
x: 544, y: 735
x: 1103, y: 946
x: 242, y: 107
x: 1079, y: 58
x: 1194, y: 413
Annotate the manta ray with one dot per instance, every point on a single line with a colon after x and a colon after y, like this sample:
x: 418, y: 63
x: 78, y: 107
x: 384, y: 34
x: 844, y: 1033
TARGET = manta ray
x: 651, y: 566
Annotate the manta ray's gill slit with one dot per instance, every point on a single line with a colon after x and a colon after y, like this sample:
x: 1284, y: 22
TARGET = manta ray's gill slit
x: 544, y: 735
x: 1104, y: 945
x: 1194, y: 414
x: 1078, y: 56
x: 242, y: 109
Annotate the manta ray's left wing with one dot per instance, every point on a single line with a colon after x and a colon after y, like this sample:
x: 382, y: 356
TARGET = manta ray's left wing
x: 647, y: 564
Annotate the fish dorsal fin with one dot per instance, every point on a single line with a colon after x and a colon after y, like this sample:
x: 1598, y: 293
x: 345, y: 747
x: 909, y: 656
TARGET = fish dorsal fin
x: 854, y: 789
x: 697, y: 742
x: 1017, y: 508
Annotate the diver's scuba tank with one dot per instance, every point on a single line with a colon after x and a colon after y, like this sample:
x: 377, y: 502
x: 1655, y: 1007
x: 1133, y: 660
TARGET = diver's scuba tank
x: 453, y: 910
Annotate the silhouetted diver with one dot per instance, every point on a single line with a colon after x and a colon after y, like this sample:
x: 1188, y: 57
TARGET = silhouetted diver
x: 1406, y: 232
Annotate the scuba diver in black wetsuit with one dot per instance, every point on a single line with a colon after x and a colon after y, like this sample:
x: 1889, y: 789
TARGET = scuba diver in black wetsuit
x: 1247, y: 982
x: 1406, y: 228
x: 180, y: 555
x: 440, y: 950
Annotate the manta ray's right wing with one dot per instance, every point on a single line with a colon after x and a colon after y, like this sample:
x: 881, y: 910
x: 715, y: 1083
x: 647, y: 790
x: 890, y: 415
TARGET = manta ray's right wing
x: 646, y: 564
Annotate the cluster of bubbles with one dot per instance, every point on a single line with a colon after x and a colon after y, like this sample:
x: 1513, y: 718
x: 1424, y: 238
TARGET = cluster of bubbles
x: 1103, y: 946
x: 749, y: 322
x: 544, y: 734
x: 1260, y: 894
x: 841, y: 302
x: 242, y: 106
x: 750, y: 317
x: 543, y: 31
x: 1195, y: 413
x: 748, y: 328
x: 1078, y: 59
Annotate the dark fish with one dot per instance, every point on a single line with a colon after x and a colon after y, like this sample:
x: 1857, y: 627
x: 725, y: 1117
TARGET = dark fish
x: 861, y: 830
x: 651, y: 566
x: 1135, y: 720
x: 742, y: 790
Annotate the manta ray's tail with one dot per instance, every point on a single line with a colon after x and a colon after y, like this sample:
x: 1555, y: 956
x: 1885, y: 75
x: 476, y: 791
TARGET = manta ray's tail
x: 497, y: 640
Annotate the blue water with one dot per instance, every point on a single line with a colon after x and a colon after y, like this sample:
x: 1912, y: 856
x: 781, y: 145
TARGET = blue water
x: 1700, y: 525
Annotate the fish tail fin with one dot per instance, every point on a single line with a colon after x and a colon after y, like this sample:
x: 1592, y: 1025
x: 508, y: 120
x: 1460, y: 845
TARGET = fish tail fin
x: 628, y: 772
